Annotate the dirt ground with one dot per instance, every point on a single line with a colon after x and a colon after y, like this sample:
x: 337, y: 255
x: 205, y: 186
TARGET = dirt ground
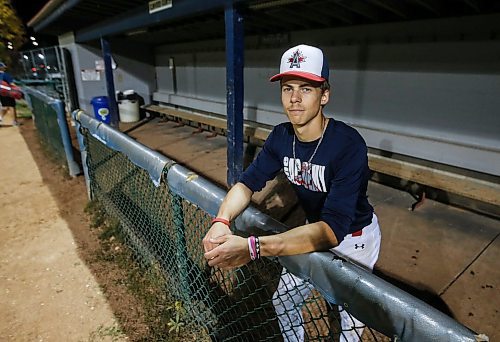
x: 63, y: 275
x: 54, y: 284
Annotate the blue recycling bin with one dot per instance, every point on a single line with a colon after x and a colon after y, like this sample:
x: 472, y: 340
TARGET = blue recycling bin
x: 101, y: 109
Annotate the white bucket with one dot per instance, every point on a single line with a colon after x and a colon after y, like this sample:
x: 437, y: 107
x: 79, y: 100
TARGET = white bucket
x: 129, y: 110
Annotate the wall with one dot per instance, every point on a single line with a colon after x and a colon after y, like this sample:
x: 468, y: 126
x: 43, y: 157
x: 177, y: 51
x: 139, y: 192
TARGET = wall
x: 135, y: 69
x: 424, y: 89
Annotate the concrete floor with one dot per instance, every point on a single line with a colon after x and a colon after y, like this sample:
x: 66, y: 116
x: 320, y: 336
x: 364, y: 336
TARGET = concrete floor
x: 444, y: 255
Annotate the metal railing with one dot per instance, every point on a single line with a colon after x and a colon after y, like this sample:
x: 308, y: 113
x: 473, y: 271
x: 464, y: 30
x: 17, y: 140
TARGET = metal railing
x: 164, y: 210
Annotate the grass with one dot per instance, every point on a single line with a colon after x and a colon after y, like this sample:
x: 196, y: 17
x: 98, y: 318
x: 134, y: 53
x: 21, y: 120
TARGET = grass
x: 23, y: 110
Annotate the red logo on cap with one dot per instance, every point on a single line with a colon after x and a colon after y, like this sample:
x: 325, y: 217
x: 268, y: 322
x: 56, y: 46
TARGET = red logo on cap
x: 296, y: 59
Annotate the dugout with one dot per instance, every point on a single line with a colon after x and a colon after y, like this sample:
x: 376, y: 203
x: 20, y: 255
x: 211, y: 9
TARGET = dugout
x: 418, y: 79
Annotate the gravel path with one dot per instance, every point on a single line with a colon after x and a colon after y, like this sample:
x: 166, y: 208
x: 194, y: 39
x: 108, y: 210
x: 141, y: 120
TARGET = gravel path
x: 46, y: 291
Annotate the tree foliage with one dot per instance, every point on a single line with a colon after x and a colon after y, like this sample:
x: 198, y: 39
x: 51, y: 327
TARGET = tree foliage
x: 11, y: 30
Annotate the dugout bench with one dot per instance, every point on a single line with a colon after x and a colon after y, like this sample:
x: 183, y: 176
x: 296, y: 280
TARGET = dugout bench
x: 466, y: 188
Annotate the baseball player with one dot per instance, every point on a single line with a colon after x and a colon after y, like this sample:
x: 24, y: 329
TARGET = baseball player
x: 8, y: 102
x: 326, y: 162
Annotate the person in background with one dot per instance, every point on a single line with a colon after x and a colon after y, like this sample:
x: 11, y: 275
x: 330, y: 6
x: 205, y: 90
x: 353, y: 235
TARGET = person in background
x: 8, y: 103
x: 326, y: 162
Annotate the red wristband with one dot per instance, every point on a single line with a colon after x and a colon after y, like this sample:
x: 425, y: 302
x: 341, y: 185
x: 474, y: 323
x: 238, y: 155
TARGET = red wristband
x: 220, y: 219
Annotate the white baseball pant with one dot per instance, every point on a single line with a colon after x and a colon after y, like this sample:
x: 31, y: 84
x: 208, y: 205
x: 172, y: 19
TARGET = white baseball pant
x: 292, y: 291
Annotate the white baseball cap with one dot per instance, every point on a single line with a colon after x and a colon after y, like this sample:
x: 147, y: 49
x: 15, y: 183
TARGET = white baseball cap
x: 303, y: 61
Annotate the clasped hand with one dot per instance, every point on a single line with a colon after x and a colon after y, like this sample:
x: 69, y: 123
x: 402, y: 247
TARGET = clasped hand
x: 224, y: 249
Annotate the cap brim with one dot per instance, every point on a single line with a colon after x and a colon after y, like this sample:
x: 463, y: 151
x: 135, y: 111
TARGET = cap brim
x: 301, y: 74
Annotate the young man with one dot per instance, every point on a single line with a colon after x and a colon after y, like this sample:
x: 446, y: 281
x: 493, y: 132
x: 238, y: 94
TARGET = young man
x: 326, y: 162
x: 8, y: 103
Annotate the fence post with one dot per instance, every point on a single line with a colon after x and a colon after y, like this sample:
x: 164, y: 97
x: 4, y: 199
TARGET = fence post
x: 181, y: 251
x: 74, y: 168
x: 83, y: 150
x: 110, y: 83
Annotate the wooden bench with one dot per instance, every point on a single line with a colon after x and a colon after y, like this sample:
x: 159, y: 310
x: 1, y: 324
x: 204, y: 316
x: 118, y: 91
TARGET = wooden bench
x: 250, y: 129
x: 468, y: 187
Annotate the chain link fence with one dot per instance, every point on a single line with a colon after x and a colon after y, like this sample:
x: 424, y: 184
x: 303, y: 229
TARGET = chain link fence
x: 45, y: 69
x: 164, y: 221
x: 50, y: 121
x: 165, y: 233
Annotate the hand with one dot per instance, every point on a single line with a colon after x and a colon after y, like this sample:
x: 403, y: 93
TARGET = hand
x: 231, y: 252
x: 218, y: 229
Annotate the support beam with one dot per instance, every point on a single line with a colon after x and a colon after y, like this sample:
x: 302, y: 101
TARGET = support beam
x: 110, y: 83
x: 474, y: 4
x: 431, y: 6
x: 360, y: 8
x: 50, y: 12
x: 335, y: 12
x: 234, y: 86
x: 287, y: 22
x: 140, y: 17
x: 396, y: 7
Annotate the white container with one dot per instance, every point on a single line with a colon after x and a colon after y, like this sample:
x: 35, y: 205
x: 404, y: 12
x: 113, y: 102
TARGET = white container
x: 129, y: 110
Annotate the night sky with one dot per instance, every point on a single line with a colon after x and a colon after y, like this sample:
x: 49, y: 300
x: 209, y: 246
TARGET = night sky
x: 26, y: 10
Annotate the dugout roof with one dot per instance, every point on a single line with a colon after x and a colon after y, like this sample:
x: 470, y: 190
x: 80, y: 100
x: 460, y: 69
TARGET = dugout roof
x: 189, y: 20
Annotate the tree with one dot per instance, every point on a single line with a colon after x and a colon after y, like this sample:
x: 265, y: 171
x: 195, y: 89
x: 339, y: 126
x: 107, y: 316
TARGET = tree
x: 12, y: 32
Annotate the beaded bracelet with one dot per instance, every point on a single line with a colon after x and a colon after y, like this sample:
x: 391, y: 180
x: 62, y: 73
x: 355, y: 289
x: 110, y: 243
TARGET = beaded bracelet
x: 257, y: 248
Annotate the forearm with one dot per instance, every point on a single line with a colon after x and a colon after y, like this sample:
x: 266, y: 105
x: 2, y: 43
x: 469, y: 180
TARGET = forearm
x: 303, y: 239
x: 236, y: 200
